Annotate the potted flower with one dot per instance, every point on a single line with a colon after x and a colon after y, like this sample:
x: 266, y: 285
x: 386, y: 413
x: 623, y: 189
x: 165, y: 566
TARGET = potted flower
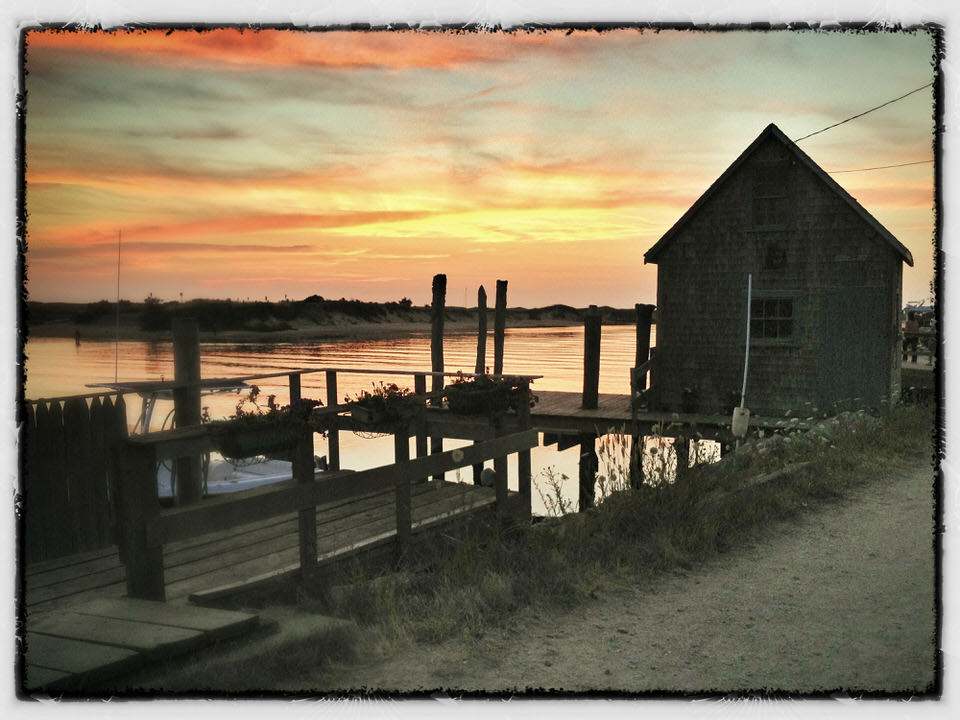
x: 485, y: 395
x: 383, y: 406
x: 253, y: 430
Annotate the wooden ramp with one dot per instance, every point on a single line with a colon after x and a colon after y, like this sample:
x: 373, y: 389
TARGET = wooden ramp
x: 69, y: 650
x: 216, y: 564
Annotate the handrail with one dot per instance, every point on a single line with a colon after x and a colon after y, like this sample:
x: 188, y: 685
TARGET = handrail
x: 146, y: 385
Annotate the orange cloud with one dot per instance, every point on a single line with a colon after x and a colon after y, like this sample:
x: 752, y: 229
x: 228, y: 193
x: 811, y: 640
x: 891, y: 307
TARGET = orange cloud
x: 230, y: 47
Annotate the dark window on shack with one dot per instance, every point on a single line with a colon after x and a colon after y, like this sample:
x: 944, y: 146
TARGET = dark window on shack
x: 771, y: 201
x: 771, y: 318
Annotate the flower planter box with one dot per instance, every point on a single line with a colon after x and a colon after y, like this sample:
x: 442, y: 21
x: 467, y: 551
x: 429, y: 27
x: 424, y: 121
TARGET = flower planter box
x: 257, y: 439
x: 368, y: 415
x: 477, y: 401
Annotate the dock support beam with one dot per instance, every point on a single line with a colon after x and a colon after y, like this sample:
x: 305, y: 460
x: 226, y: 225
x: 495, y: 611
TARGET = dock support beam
x: 186, y: 405
x: 437, y: 310
x: 591, y: 358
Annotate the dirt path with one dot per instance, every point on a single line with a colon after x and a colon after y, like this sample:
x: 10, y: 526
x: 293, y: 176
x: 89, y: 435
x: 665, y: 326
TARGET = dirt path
x: 842, y: 599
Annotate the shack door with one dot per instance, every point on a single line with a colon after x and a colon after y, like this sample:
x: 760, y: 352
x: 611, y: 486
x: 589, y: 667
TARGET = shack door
x: 853, y: 346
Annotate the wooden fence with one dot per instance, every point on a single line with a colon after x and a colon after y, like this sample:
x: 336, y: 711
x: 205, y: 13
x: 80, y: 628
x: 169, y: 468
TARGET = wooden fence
x: 69, y: 484
x: 147, y: 528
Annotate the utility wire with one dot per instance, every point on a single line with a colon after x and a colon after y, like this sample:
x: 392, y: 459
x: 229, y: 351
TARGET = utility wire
x: 879, y: 167
x: 865, y: 112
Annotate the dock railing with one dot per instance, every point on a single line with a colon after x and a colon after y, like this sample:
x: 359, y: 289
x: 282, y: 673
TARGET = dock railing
x: 146, y: 527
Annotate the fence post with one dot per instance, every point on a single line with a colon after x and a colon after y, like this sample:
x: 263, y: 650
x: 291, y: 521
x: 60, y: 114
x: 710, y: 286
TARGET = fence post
x: 333, y: 434
x: 303, y: 475
x: 591, y: 358
x: 420, y: 388
x: 401, y: 451
x: 186, y: 403
x: 500, y: 470
x: 139, y: 505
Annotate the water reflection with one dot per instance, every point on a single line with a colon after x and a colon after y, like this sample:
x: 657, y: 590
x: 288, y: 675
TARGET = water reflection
x: 554, y: 353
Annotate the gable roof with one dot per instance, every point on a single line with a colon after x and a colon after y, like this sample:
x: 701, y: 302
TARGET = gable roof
x: 773, y: 131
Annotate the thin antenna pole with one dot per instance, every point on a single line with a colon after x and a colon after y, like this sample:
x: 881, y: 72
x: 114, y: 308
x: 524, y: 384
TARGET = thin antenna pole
x: 116, y: 345
x: 746, y: 358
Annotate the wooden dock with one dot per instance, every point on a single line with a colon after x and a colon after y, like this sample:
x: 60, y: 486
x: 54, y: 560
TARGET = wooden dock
x: 212, y: 566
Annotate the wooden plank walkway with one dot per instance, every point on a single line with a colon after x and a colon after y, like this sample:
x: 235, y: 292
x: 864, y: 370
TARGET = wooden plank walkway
x: 561, y: 412
x: 99, y: 639
x: 212, y: 565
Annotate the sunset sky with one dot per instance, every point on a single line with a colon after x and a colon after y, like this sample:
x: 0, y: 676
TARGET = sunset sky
x: 283, y: 163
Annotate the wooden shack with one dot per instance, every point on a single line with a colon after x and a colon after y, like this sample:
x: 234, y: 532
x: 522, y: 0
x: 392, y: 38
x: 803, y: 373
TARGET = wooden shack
x: 826, y: 292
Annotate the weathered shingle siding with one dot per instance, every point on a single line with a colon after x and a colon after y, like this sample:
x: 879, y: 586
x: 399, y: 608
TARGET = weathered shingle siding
x: 702, y: 281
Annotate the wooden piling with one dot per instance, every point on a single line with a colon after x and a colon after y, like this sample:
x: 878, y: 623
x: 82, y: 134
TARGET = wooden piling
x: 437, y: 310
x: 481, y: 366
x: 186, y: 404
x: 589, y: 464
x: 591, y: 358
x: 499, y: 326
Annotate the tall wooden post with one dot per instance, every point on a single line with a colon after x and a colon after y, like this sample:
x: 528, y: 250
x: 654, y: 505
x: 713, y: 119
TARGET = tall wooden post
x: 589, y: 464
x: 186, y: 404
x: 333, y: 434
x: 437, y: 310
x: 481, y: 366
x: 591, y: 358
x: 499, y: 326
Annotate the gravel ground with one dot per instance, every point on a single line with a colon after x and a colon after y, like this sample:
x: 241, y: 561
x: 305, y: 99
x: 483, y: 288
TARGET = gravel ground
x: 841, y: 599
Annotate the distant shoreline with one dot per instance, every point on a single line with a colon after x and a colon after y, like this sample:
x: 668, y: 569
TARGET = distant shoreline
x: 332, y: 321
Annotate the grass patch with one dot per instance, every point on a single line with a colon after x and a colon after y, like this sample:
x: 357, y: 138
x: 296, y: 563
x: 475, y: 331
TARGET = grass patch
x: 476, y: 575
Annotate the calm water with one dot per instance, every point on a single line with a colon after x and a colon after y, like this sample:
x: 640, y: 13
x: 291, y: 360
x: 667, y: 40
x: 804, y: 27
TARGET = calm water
x: 58, y: 367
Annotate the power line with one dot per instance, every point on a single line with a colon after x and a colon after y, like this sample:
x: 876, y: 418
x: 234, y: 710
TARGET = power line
x: 879, y: 167
x: 865, y: 112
